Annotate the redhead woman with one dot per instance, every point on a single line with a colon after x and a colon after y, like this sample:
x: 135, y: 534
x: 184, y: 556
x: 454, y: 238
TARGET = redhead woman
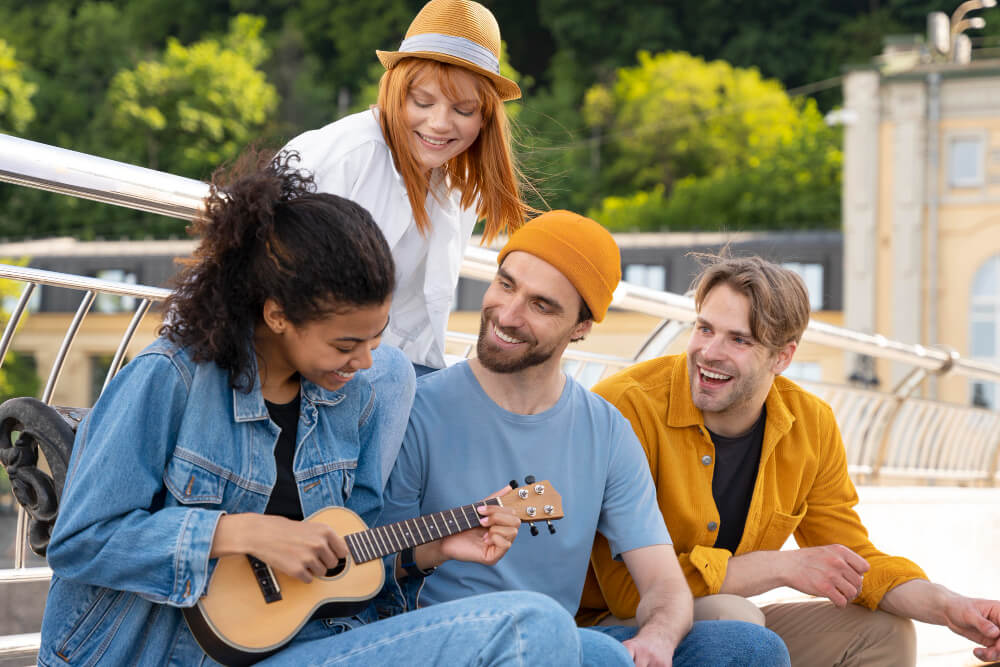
x: 245, y: 416
x: 428, y: 161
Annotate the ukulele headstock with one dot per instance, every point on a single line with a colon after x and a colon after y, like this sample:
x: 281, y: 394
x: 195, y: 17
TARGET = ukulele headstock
x: 535, y: 501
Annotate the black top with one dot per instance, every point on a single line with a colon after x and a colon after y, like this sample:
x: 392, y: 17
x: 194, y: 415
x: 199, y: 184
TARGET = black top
x: 736, y: 463
x: 284, y: 499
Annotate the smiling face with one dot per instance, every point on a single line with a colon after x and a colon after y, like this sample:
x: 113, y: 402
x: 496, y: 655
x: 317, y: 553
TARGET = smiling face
x: 327, y: 351
x: 529, y: 315
x: 730, y: 372
x: 443, y: 121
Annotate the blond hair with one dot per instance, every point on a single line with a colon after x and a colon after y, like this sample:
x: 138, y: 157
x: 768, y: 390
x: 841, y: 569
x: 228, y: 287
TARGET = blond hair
x: 779, y: 302
x: 485, y: 173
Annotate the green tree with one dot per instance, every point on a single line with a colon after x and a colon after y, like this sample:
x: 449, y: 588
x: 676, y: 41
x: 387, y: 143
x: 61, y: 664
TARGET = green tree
x: 16, y: 110
x: 689, y: 144
x: 197, y: 105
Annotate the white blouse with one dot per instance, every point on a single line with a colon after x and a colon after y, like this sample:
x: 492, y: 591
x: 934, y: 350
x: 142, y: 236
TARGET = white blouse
x: 350, y: 158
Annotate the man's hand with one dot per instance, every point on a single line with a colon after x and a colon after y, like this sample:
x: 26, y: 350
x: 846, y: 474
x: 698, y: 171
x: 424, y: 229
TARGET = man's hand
x: 301, y: 549
x: 664, y: 614
x: 649, y: 649
x: 832, y: 571
x: 978, y: 620
x: 485, y: 545
x: 974, y: 618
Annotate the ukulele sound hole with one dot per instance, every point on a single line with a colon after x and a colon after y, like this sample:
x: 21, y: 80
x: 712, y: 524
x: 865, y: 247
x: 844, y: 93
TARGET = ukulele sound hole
x: 334, y: 571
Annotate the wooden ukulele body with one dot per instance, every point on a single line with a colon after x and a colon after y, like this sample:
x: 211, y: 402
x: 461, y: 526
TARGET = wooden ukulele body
x: 234, y: 621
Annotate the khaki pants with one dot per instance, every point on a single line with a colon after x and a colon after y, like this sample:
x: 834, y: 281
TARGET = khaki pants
x: 818, y: 634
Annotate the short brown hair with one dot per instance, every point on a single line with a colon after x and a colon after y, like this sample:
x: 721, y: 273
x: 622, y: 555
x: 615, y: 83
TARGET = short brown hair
x: 779, y: 302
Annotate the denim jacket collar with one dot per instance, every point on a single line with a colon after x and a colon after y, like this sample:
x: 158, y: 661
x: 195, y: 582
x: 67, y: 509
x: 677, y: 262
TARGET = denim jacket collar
x: 248, y: 407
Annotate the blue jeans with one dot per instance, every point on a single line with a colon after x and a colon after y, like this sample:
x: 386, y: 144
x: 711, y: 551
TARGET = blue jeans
x: 508, y: 628
x: 710, y: 643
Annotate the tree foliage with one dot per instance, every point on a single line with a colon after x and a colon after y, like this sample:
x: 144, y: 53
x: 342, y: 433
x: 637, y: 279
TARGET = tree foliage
x: 16, y: 111
x: 707, y: 145
x: 161, y: 83
x: 197, y: 105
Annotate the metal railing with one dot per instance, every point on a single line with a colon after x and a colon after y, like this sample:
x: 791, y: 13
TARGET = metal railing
x: 887, y: 435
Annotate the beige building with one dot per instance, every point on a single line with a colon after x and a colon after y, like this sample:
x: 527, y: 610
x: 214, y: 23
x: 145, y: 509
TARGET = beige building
x: 922, y: 214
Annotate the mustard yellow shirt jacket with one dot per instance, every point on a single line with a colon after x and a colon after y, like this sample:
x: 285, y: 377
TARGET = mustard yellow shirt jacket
x: 802, y: 487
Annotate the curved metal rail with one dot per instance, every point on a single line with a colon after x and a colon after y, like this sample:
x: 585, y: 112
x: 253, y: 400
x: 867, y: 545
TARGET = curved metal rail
x: 887, y: 435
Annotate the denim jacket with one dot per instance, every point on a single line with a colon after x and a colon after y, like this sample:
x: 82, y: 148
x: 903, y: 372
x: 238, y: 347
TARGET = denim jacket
x: 167, y: 450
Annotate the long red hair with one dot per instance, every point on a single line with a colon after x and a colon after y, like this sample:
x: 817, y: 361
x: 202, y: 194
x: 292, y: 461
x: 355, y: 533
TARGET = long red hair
x: 485, y: 173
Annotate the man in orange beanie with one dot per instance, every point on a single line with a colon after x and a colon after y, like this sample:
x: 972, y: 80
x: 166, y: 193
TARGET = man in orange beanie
x: 512, y: 411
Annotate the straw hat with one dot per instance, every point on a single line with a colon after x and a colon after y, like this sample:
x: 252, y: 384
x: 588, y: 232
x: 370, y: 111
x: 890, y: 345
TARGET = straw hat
x: 457, y: 32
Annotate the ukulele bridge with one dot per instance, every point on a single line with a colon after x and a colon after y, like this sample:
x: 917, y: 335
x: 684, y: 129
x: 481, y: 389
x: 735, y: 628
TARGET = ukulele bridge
x: 264, y: 575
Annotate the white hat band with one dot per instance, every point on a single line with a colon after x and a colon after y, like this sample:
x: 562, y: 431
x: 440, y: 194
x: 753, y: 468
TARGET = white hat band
x: 460, y: 47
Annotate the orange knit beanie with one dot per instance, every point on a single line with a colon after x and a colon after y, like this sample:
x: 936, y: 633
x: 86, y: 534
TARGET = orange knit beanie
x: 580, y: 248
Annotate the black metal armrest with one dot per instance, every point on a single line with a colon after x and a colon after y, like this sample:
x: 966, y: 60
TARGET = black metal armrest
x: 25, y: 425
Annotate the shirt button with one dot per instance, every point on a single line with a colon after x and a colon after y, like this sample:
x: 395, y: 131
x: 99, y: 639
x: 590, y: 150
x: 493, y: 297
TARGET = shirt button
x: 712, y: 525
x: 706, y: 459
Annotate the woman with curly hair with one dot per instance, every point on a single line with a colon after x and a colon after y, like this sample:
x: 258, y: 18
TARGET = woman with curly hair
x: 245, y: 416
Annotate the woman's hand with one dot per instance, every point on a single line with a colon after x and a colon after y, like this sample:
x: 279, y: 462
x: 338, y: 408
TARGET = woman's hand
x: 301, y: 549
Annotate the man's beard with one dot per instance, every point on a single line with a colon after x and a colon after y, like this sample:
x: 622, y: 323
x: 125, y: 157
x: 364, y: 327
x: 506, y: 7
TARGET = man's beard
x: 495, y: 360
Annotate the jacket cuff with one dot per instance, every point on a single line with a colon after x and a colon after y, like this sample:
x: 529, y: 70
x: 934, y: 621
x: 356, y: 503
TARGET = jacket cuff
x: 885, y: 575
x: 711, y: 564
x: 191, y: 563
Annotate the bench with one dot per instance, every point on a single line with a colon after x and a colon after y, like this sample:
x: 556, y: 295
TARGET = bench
x: 27, y: 425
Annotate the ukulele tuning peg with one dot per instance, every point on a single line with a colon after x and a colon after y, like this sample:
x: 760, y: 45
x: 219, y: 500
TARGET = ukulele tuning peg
x: 530, y: 479
x: 513, y: 483
x: 534, y: 529
x: 552, y: 529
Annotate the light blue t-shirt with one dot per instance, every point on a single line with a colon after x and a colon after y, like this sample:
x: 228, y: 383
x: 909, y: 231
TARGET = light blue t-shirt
x: 460, y: 446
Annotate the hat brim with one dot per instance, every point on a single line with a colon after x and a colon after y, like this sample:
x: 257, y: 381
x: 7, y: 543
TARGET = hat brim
x: 507, y: 89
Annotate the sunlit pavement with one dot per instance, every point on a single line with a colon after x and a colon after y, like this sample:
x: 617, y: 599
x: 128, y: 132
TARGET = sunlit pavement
x: 952, y: 533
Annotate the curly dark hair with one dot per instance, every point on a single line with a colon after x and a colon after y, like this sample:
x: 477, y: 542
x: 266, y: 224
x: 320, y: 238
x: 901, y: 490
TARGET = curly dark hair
x: 266, y: 234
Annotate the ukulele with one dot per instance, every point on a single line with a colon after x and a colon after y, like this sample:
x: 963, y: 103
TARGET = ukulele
x: 249, y: 610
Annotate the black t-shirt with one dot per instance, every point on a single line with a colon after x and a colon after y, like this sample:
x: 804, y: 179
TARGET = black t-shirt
x: 284, y: 499
x: 736, y: 463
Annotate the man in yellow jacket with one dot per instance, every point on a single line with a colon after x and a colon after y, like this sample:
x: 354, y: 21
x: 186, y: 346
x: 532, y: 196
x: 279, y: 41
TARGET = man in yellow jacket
x: 743, y: 458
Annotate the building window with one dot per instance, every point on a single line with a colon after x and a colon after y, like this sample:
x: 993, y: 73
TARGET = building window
x: 115, y: 303
x: 652, y: 276
x: 984, y: 329
x: 965, y: 162
x: 812, y: 276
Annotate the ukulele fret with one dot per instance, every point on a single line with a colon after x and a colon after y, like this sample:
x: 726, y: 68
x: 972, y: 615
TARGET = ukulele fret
x: 356, y: 547
x: 394, y: 537
x: 380, y: 539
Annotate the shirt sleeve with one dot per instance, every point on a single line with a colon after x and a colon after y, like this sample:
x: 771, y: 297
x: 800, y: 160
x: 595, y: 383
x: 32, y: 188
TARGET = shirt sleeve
x: 704, y: 567
x: 113, y: 530
x: 630, y: 517
x: 830, y: 518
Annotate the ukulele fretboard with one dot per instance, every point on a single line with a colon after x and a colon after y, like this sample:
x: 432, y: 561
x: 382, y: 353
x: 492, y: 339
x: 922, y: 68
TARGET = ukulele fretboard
x: 384, y: 540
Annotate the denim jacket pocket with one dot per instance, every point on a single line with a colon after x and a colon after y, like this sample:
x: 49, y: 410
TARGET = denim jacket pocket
x: 779, y: 527
x: 191, y: 483
x: 91, y: 634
